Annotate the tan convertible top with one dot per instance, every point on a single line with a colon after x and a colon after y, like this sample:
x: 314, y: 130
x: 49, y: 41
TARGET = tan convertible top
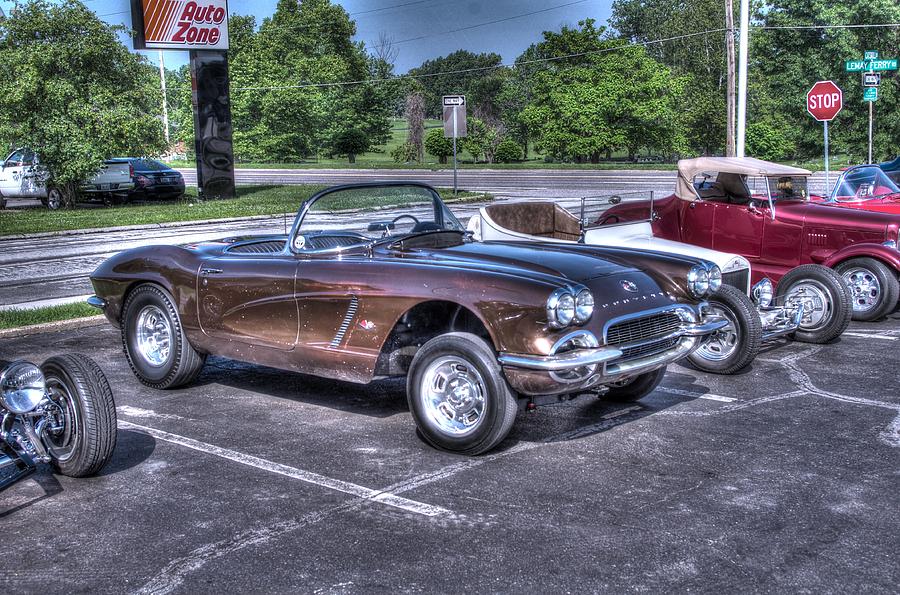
x: 688, y: 168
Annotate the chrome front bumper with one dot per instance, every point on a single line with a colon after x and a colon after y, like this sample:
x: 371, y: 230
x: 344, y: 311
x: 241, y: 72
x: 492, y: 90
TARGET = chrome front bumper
x: 578, y: 369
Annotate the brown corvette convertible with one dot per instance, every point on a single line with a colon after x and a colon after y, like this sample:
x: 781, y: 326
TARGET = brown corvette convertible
x: 381, y: 280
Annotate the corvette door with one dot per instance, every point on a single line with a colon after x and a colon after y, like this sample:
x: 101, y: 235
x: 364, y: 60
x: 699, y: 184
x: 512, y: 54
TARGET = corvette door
x: 249, y: 299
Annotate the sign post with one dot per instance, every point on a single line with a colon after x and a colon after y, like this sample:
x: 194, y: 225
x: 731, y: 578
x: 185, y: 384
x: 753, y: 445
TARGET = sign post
x: 823, y: 102
x: 454, y: 124
x: 202, y: 29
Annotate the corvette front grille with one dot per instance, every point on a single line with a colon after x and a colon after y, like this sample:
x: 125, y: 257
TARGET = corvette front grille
x: 644, y: 335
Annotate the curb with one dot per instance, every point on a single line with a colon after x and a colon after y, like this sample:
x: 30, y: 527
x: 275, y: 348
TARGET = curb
x: 173, y: 224
x: 50, y: 327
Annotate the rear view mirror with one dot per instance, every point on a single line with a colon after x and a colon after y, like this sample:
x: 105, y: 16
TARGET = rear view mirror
x: 614, y: 200
x: 381, y: 226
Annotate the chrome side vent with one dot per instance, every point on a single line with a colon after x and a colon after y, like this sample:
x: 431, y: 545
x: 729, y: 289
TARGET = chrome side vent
x: 348, y: 318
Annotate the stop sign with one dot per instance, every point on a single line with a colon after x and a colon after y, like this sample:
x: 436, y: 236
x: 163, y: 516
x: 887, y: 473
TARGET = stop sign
x: 824, y: 101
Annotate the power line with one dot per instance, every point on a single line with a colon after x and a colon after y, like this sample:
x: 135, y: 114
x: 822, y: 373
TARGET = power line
x: 875, y: 26
x: 391, y: 7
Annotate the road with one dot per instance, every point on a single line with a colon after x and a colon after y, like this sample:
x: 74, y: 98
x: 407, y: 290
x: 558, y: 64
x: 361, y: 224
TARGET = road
x: 783, y: 479
x: 48, y: 270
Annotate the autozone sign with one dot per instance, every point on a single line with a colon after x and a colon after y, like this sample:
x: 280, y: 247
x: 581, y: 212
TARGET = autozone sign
x: 824, y: 101
x: 180, y: 24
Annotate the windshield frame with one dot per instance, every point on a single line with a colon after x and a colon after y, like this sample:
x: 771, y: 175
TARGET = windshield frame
x: 439, y: 206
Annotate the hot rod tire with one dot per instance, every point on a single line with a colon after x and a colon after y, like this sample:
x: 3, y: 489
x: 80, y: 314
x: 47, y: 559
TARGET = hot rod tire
x: 636, y: 388
x: 155, y: 344
x: 732, y: 348
x: 86, y: 437
x: 826, y: 301
x: 458, y: 396
x: 874, y: 288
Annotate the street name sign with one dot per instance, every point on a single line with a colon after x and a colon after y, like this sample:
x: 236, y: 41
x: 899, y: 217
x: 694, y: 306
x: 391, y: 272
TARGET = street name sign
x: 879, y: 64
x: 824, y: 101
x: 871, y: 55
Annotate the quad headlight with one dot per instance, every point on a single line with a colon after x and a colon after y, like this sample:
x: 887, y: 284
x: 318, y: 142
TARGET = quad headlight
x: 715, y: 278
x: 763, y: 292
x: 698, y: 280
x: 22, y: 387
x: 563, y: 308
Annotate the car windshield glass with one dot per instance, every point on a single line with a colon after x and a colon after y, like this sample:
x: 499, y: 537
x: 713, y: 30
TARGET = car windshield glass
x: 740, y: 189
x: 863, y: 183
x: 363, y: 214
x: 149, y: 165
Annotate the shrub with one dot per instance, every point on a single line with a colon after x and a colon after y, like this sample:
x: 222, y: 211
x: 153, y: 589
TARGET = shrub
x: 405, y: 153
x: 437, y: 145
x: 508, y: 151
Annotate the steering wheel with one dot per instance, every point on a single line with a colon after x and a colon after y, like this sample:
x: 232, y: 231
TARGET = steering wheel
x: 608, y: 219
x: 399, y: 217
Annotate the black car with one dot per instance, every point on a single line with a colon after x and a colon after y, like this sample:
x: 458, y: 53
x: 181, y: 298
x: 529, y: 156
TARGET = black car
x: 153, y: 180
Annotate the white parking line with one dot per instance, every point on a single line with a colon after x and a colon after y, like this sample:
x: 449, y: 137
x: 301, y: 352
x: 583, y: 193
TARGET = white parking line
x: 353, y: 489
x: 687, y: 393
x: 871, y: 336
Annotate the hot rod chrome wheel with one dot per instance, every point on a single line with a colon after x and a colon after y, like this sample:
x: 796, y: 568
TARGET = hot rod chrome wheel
x: 723, y: 343
x: 154, y: 335
x: 813, y: 296
x: 62, y: 420
x: 452, y: 392
x: 865, y: 289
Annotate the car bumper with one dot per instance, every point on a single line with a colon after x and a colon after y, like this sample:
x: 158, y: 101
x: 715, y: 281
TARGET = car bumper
x: 581, y: 369
x: 106, y: 188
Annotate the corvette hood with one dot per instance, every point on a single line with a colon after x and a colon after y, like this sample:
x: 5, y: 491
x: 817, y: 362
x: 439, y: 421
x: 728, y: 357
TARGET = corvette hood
x: 574, y: 263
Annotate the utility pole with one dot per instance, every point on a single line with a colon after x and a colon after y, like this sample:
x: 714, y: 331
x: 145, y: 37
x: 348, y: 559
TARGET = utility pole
x: 742, y: 78
x: 165, y: 101
x: 730, y: 94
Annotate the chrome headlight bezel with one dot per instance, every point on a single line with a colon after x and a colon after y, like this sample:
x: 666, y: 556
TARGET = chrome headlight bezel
x: 584, y: 306
x: 715, y: 277
x: 698, y: 280
x: 22, y: 387
x: 560, y: 297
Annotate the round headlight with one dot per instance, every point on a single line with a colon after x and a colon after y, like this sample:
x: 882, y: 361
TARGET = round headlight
x: 565, y: 309
x: 715, y: 278
x: 762, y: 293
x: 22, y: 387
x: 698, y: 280
x: 584, y: 306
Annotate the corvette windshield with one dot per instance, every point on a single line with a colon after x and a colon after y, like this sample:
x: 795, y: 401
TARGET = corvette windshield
x: 362, y: 214
x: 864, y: 183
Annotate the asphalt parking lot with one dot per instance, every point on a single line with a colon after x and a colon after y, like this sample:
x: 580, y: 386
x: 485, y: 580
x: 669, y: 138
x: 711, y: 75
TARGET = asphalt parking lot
x: 785, y: 478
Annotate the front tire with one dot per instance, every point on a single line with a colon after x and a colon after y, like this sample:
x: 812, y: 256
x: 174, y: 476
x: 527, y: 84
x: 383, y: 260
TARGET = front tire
x: 636, y: 388
x: 86, y: 415
x: 732, y: 348
x: 54, y: 200
x: 826, y: 301
x: 155, y: 344
x: 458, y: 396
x: 874, y: 288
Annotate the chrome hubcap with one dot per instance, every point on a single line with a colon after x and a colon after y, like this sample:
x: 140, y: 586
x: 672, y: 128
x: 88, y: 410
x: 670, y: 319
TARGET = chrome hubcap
x: 817, y: 308
x: 452, y: 394
x: 723, y: 343
x: 864, y: 288
x: 154, y: 335
x: 62, y: 419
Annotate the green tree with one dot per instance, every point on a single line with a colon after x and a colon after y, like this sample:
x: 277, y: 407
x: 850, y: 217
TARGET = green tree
x: 785, y: 63
x: 78, y: 95
x: 468, y: 74
x: 594, y: 103
x: 438, y: 145
x: 290, y: 85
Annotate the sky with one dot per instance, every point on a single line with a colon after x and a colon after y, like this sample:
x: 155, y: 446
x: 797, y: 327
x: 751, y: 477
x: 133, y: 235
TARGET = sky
x: 425, y: 17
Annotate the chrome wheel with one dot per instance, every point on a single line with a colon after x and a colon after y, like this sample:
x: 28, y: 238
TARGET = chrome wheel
x: 722, y: 344
x: 54, y: 199
x: 154, y: 336
x: 817, y: 307
x: 865, y: 290
x: 62, y: 419
x: 452, y: 394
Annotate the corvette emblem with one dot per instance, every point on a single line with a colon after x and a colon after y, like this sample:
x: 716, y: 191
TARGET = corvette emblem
x: 366, y: 325
x: 629, y: 286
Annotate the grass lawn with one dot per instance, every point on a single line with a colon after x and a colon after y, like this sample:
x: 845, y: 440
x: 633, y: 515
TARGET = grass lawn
x: 251, y: 200
x: 19, y: 318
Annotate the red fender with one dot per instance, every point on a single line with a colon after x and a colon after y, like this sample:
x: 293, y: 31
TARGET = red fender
x: 889, y: 256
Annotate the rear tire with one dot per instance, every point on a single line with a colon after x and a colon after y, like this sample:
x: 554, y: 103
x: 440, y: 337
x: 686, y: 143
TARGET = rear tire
x: 874, y: 288
x: 54, y: 200
x: 636, y: 388
x: 826, y: 301
x: 458, y: 396
x: 733, y: 348
x: 155, y: 344
x: 86, y: 441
